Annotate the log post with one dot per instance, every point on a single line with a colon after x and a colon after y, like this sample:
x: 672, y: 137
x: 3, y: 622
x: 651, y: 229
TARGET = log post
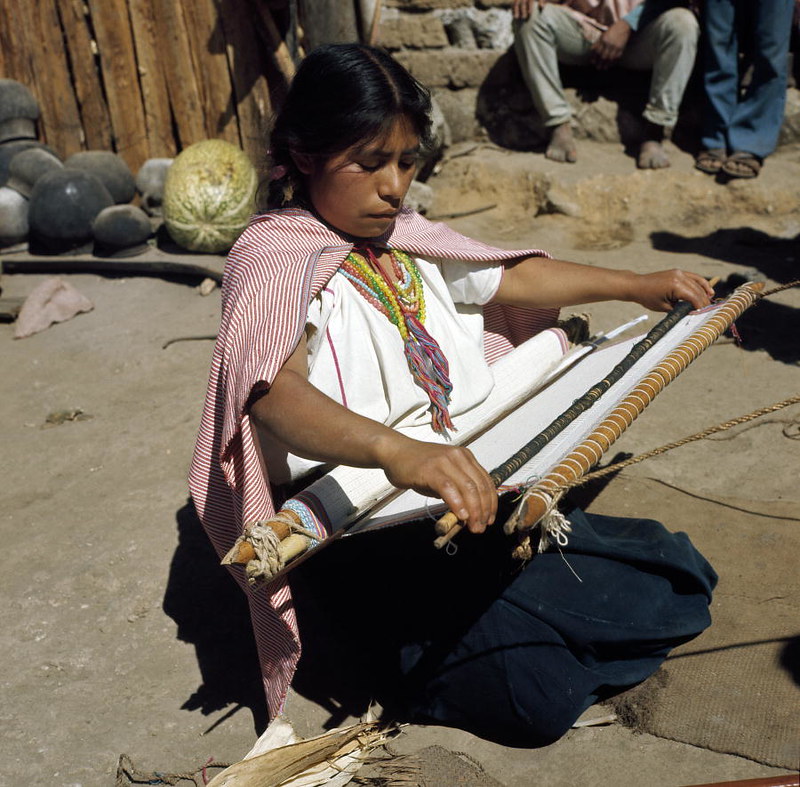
x: 88, y: 86
x: 121, y: 78
x: 155, y: 96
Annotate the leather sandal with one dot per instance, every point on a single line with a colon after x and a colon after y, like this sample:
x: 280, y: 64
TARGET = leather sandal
x: 711, y: 161
x: 742, y: 164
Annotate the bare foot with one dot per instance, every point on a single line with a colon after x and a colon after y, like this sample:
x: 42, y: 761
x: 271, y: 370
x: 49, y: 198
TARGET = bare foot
x: 562, y: 145
x: 652, y: 155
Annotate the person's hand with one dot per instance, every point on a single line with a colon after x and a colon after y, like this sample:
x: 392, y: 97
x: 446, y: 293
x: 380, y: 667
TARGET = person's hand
x: 522, y: 9
x: 449, y: 472
x: 660, y: 291
x: 611, y: 44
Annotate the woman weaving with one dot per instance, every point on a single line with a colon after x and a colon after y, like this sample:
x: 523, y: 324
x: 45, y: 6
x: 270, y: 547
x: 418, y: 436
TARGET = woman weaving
x: 350, y: 326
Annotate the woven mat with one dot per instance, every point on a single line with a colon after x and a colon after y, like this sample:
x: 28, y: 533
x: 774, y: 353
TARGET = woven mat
x: 433, y: 766
x: 736, y: 688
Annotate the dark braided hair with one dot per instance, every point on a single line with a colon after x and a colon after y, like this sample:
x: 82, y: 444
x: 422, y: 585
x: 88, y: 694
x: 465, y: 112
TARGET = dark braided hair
x: 342, y: 95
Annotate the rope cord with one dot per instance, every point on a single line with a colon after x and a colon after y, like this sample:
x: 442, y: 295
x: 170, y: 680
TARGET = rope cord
x: 782, y: 287
x: 128, y: 773
x: 742, y: 419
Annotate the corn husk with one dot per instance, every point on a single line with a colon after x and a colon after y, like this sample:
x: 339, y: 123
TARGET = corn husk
x: 280, y: 759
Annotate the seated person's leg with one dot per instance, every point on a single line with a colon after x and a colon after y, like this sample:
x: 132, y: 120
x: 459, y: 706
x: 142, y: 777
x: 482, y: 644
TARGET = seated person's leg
x: 757, y: 118
x: 568, y: 629
x: 549, y: 36
x: 668, y: 45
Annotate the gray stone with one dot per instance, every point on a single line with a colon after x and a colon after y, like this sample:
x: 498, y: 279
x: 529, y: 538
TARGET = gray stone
x: 150, y: 183
x: 64, y: 204
x: 13, y: 217
x: 458, y: 108
x: 121, y: 231
x: 469, y: 28
x: 19, y: 111
x: 419, y: 197
x: 28, y: 166
x: 558, y: 201
x: 10, y: 149
x: 459, y: 28
x: 493, y: 29
x: 110, y: 169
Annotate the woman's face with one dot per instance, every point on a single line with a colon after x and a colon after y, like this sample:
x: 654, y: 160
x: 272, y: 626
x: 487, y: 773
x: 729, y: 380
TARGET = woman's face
x: 361, y: 190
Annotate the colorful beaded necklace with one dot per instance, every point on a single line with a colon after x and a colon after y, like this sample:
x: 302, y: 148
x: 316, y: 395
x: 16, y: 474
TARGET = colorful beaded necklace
x: 403, y: 303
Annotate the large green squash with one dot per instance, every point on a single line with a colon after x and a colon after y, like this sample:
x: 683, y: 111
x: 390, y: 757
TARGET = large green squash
x: 209, y: 196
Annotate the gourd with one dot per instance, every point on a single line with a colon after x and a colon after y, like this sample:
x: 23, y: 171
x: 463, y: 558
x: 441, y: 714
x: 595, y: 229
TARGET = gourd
x: 209, y: 195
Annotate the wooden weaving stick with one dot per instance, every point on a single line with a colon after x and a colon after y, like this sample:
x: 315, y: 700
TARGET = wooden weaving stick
x: 539, y: 498
x: 448, y: 526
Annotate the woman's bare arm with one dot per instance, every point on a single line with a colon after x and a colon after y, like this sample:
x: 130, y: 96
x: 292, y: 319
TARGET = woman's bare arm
x: 312, y: 425
x: 542, y: 282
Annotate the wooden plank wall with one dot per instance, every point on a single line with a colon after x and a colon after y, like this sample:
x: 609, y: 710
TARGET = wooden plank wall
x: 146, y: 78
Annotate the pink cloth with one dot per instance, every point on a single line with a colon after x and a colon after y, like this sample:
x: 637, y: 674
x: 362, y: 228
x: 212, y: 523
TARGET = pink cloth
x: 54, y: 300
x: 277, y: 266
x: 596, y: 16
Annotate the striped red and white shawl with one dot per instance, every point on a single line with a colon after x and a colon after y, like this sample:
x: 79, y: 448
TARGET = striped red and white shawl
x: 280, y: 262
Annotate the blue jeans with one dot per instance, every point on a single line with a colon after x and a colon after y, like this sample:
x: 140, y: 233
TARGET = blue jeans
x: 515, y: 656
x: 750, y: 121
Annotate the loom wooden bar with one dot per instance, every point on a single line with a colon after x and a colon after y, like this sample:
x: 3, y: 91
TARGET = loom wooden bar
x: 535, y: 503
x: 40, y: 29
x: 155, y: 96
x: 93, y: 109
x: 253, y: 104
x: 242, y: 553
x: 207, y: 50
x: 787, y: 780
x: 176, y: 61
x: 120, y: 76
x: 534, y: 446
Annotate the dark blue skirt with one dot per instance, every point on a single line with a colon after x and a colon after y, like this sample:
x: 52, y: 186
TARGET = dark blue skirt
x: 512, y: 654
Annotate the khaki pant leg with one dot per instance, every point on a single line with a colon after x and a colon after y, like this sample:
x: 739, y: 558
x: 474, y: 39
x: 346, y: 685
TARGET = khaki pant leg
x: 668, y: 45
x: 549, y: 36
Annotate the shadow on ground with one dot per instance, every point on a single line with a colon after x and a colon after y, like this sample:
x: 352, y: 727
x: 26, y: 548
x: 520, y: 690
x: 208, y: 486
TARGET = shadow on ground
x: 350, y: 649
x: 212, y: 614
x: 769, y: 325
x: 790, y: 658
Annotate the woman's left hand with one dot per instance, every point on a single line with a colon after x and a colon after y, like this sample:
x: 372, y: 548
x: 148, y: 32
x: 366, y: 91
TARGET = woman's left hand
x: 662, y: 290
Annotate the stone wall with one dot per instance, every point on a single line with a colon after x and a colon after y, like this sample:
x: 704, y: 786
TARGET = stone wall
x: 451, y: 46
x: 463, y: 51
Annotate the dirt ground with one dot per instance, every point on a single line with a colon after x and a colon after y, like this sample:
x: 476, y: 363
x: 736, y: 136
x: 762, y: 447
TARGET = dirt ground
x: 120, y: 634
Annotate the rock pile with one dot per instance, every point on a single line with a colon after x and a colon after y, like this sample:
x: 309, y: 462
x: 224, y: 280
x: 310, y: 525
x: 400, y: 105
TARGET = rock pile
x: 84, y: 204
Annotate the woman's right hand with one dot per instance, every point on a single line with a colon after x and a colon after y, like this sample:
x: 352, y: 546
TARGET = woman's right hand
x: 311, y: 425
x: 449, y: 472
